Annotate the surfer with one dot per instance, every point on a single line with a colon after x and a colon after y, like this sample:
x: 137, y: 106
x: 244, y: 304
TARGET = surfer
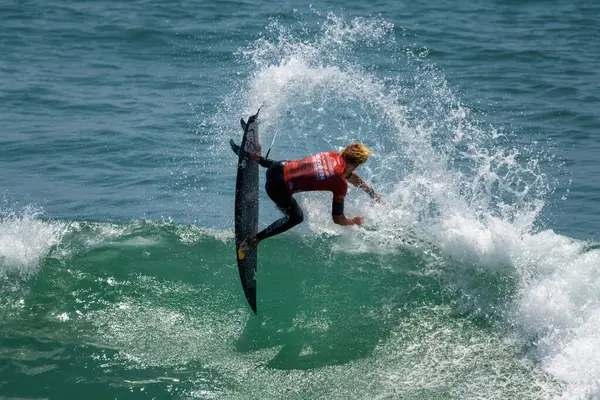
x: 329, y: 171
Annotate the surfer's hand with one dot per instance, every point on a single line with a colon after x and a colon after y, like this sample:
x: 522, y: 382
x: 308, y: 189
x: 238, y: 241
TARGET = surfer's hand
x: 377, y: 199
x: 358, y: 220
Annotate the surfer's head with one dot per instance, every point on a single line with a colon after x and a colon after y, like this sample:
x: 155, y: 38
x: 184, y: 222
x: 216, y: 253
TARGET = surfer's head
x: 356, y: 154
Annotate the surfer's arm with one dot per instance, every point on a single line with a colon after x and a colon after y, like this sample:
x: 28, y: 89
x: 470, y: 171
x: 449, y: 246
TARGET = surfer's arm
x: 356, y: 180
x: 343, y: 220
x: 337, y: 213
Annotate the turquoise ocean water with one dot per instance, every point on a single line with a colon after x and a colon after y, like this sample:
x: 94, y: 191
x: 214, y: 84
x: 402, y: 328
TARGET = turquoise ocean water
x: 478, y: 278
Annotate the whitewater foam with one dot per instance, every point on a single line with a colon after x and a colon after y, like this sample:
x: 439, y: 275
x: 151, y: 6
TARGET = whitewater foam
x: 25, y: 240
x: 559, y: 309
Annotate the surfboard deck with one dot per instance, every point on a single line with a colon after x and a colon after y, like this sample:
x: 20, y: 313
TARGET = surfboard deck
x: 246, y: 207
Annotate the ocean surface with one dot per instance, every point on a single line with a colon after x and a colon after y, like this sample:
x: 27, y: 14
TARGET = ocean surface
x: 477, y: 278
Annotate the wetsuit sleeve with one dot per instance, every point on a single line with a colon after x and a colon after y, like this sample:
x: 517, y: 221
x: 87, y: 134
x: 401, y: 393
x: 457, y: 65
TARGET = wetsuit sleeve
x: 339, y: 193
x: 337, y: 208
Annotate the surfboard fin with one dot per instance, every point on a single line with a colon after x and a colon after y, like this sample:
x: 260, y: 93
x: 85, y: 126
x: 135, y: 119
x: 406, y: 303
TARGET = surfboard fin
x: 243, y: 124
x: 238, y: 151
x: 234, y: 147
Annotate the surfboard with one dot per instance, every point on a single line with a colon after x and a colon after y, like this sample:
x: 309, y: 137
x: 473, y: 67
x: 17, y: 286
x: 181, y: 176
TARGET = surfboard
x: 246, y: 207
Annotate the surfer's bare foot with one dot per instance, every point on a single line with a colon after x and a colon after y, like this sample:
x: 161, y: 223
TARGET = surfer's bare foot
x: 255, y: 155
x: 252, y: 240
x: 249, y: 241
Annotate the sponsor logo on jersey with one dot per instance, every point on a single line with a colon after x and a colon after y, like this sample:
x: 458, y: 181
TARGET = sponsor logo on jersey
x: 321, y: 167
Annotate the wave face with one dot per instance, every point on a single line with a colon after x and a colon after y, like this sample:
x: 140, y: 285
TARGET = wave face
x: 159, y: 306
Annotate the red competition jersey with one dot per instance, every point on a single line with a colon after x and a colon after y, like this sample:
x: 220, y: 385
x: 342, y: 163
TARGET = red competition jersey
x: 323, y: 171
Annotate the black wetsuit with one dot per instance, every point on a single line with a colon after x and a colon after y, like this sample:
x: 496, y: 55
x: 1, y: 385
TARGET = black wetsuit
x: 277, y: 191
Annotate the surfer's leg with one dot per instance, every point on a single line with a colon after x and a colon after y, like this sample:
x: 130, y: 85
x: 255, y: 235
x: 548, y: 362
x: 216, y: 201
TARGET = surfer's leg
x: 277, y: 191
x: 293, y: 217
x: 265, y: 162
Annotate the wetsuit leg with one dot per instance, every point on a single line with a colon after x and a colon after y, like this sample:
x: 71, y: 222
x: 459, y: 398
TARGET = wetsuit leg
x: 277, y: 191
x: 265, y: 162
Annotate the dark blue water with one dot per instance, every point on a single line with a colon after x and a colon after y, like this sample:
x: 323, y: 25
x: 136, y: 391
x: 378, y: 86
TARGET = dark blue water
x: 476, y: 278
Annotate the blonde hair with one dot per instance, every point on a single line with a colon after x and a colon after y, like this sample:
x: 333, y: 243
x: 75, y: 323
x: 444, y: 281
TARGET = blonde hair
x: 356, y: 153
